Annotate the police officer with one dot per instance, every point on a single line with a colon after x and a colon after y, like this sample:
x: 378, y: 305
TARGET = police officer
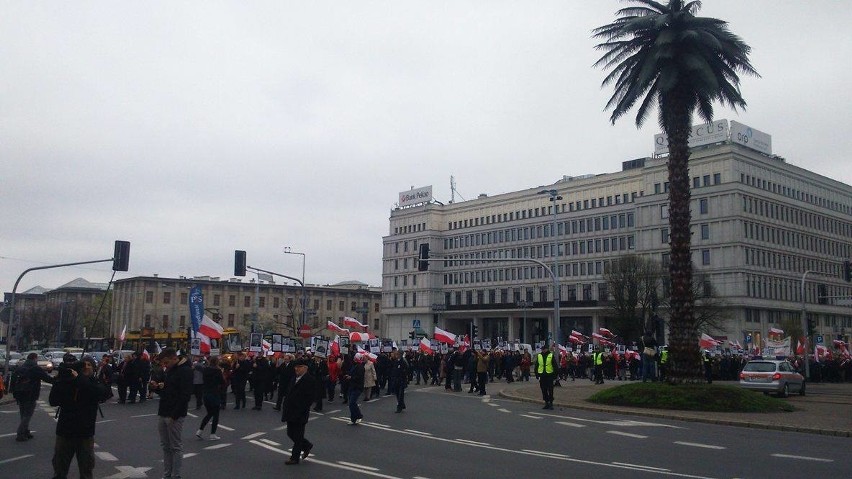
x: 545, y: 372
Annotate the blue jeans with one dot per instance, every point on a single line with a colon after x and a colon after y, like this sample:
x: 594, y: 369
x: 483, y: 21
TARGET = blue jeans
x: 354, y: 410
x: 647, y: 368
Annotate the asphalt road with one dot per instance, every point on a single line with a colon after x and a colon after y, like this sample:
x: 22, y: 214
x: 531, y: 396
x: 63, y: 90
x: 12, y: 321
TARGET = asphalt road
x: 439, y: 435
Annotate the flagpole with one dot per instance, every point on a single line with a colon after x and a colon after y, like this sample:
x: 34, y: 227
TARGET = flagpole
x: 805, y: 327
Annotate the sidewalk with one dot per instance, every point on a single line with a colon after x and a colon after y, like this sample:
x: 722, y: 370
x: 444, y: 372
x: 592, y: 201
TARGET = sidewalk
x: 826, y: 409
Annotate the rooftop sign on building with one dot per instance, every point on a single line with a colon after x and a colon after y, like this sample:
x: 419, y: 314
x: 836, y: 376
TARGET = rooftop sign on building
x: 703, y: 134
x: 751, y: 138
x: 415, y: 196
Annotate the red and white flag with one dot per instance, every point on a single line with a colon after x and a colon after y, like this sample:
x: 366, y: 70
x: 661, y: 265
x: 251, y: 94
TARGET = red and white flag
x: 337, y: 329
x: 210, y: 328
x: 578, y: 334
x: 800, y: 348
x: 123, y: 334
x: 356, y: 337
x: 707, y: 342
x: 575, y: 340
x: 605, y: 332
x: 598, y: 336
x: 426, y: 346
x: 444, y: 336
x: 372, y: 357
x: 776, y: 331
x: 353, y: 323
x: 207, y: 330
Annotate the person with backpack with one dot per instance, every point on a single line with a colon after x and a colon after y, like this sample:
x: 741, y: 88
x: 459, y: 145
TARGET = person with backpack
x: 26, y: 388
x: 78, y: 393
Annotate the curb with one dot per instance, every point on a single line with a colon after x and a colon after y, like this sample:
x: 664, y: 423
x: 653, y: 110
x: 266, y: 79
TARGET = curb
x: 669, y: 415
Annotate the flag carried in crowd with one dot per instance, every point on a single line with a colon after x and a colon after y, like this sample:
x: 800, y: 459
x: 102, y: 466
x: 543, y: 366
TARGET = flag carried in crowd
x: 444, y: 336
x: 606, y: 332
x: 425, y: 346
x: 776, y: 332
x: 123, y: 333
x: 707, y: 342
x: 353, y: 323
x: 334, y: 327
x: 207, y: 330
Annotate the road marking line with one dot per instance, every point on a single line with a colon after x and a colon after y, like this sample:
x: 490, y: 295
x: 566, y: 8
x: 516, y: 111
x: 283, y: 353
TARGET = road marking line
x: 189, y: 454
x: 611, y: 423
x: 335, y: 411
x: 377, y: 424
x: 325, y: 463
x: 125, y: 472
x: 804, y: 458
x: 14, y: 433
x: 503, y: 409
x: 490, y: 403
x: 531, y: 417
x: 145, y: 415
x: 218, y: 446
x: 695, y: 444
x: 419, y: 432
x: 225, y: 427
x: 515, y: 451
x: 270, y: 442
x: 628, y: 434
x: 548, y: 454
x: 105, y: 420
x: 641, y: 466
x: 318, y: 413
x: 191, y: 415
x: 105, y: 456
x: 473, y: 442
x: 252, y: 436
x: 359, y: 466
x: 280, y: 428
x: 4, y: 461
x: 570, y: 424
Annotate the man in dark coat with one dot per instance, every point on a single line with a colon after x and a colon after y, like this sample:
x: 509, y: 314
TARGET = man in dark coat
x: 285, y: 377
x: 77, y: 393
x: 26, y: 387
x: 399, y: 375
x: 297, y: 405
x: 175, y: 392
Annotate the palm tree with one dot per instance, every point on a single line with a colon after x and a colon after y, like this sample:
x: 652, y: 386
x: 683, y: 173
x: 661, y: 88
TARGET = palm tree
x: 663, y: 52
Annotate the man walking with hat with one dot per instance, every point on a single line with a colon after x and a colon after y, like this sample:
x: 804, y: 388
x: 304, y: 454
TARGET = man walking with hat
x: 297, y: 405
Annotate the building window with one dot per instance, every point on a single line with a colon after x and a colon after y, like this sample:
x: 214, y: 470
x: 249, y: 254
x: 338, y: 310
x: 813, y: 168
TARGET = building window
x: 328, y: 304
x: 341, y: 305
x: 149, y: 298
x: 165, y: 322
x: 717, y: 178
x: 354, y: 305
x: 147, y: 321
x: 702, y: 206
x: 664, y: 236
x: 705, y: 257
x: 247, y: 301
x: 167, y: 298
x: 705, y: 232
x: 231, y: 320
x: 664, y: 212
x: 262, y: 302
x: 232, y: 300
x: 706, y: 180
x: 182, y: 321
x: 696, y: 182
x: 276, y: 302
x: 184, y: 297
x: 216, y: 299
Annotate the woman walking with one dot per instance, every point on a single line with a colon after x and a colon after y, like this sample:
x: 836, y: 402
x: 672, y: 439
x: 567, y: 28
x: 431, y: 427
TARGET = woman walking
x: 211, y: 390
x: 356, y: 385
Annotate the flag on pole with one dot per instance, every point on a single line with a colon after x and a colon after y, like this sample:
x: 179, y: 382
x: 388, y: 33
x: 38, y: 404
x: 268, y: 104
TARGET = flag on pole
x: 444, y: 336
x: 334, y: 327
x: 123, y: 334
x: 207, y: 330
x: 707, y: 342
x: 196, y: 307
x: 605, y: 332
x: 353, y: 323
x: 425, y: 346
x: 776, y: 331
x: 578, y: 334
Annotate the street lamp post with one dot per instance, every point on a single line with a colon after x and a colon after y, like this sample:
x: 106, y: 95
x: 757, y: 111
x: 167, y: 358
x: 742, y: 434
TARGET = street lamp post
x: 524, y: 304
x: 61, y: 315
x: 288, y: 250
x: 554, y: 197
x: 805, y: 326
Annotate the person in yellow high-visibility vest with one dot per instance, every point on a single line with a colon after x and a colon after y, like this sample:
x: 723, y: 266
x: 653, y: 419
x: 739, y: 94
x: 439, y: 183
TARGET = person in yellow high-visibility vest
x: 597, y: 361
x: 545, y: 371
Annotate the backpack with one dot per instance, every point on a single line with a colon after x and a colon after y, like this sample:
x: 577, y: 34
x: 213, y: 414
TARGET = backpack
x: 21, y: 384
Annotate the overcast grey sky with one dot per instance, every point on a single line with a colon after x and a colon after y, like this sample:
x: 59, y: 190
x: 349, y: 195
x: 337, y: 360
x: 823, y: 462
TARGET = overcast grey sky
x: 195, y: 128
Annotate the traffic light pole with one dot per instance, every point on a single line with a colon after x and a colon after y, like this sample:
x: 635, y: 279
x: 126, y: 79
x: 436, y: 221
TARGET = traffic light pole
x: 805, y: 327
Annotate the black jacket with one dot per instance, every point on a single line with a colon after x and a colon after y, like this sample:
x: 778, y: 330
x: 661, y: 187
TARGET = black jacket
x: 176, y: 391
x: 356, y: 377
x: 300, y: 396
x: 34, y: 375
x: 78, y: 400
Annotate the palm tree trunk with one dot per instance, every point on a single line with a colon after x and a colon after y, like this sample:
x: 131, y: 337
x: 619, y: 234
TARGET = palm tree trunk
x: 684, y: 355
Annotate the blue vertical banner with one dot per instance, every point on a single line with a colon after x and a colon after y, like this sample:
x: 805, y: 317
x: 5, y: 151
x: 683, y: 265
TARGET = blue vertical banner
x: 196, y: 307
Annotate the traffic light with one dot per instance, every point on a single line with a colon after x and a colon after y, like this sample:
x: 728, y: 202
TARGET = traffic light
x: 423, y: 263
x: 847, y: 271
x: 121, y: 256
x: 239, y: 263
x: 811, y: 327
x: 822, y: 294
x: 411, y: 334
x: 473, y: 331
